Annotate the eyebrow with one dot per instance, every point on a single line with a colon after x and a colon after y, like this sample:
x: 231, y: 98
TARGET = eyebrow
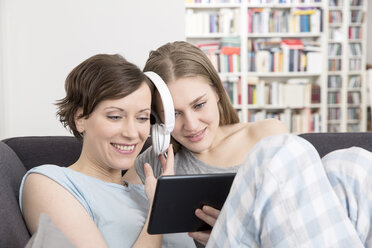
x: 122, y: 110
x: 198, y: 99
x: 112, y: 107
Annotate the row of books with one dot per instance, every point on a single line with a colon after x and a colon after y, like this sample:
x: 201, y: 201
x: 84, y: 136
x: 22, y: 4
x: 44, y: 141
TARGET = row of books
x: 336, y: 2
x: 334, y: 97
x: 224, y: 21
x: 334, y: 65
x: 336, y: 33
x: 283, y: 55
x: 356, y: 16
x: 267, y: 20
x: 296, y: 92
x: 355, y: 64
x: 335, y: 16
x: 355, y: 82
x: 301, y: 121
x: 353, y: 113
x: 234, y: 89
x: 355, y: 49
x: 282, y: 1
x: 335, y: 82
x: 355, y: 33
x: 334, y: 49
x: 334, y: 114
x: 350, y: 128
x: 353, y: 98
x: 224, y: 54
x: 356, y: 2
x: 212, y: 1
x: 335, y: 128
x: 353, y: 128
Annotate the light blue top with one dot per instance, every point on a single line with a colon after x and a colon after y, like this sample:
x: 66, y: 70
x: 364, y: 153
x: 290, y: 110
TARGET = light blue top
x: 118, y: 211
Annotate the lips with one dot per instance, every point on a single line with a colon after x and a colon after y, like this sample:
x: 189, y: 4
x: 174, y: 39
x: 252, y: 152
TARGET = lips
x: 197, y: 136
x: 124, y: 148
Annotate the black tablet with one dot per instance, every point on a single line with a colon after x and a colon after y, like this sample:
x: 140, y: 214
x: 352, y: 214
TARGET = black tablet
x: 177, y: 197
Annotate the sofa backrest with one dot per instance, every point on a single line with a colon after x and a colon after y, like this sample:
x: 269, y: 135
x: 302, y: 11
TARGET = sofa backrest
x: 38, y: 150
x: 324, y: 143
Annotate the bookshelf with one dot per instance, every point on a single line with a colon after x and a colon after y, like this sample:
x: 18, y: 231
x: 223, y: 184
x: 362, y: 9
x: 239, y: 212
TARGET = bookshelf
x: 271, y: 57
x: 347, y: 79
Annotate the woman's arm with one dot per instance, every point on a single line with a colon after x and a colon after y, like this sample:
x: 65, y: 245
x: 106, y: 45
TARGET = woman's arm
x: 145, y: 239
x: 43, y: 195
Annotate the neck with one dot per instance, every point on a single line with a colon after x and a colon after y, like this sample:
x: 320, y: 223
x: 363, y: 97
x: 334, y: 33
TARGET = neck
x: 95, y: 170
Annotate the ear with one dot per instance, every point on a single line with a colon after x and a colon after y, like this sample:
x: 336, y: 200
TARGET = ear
x: 79, y: 121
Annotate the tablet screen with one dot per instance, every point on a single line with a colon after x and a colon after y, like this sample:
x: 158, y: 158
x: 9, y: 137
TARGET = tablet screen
x: 177, y: 197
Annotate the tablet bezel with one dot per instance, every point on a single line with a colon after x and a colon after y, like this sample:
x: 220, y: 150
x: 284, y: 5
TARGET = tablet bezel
x: 177, y: 197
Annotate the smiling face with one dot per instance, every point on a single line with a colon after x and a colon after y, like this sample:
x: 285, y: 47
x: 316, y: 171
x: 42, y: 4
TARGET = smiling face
x: 196, y: 110
x: 116, y: 130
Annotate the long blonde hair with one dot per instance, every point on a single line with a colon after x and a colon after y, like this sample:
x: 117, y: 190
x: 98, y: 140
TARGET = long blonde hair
x: 181, y: 59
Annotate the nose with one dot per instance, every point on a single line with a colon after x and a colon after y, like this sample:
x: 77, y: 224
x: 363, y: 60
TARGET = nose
x: 129, y: 129
x: 190, y: 121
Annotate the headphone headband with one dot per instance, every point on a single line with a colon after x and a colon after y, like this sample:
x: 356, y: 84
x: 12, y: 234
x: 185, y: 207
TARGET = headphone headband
x: 166, y: 99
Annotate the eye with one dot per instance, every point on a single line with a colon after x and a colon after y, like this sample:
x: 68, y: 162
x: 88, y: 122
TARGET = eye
x: 176, y: 113
x: 114, y: 117
x: 143, y: 119
x: 200, y: 105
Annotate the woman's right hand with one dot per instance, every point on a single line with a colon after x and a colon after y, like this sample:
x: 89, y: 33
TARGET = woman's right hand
x: 167, y: 165
x: 209, y: 215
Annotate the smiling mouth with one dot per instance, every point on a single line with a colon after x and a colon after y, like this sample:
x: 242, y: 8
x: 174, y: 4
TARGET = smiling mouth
x: 196, y: 136
x: 124, y: 148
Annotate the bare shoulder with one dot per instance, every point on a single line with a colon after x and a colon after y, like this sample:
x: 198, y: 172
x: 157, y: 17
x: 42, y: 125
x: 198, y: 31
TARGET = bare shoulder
x: 267, y: 127
x: 41, y: 194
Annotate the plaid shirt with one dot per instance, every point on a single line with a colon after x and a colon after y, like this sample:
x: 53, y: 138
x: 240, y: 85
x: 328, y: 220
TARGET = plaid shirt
x: 284, y: 195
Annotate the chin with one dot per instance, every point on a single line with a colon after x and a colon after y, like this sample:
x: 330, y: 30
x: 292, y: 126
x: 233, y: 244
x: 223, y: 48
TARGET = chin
x: 123, y: 164
x: 197, y: 148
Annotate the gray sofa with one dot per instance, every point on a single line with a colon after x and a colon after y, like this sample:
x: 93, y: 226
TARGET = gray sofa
x: 19, y: 154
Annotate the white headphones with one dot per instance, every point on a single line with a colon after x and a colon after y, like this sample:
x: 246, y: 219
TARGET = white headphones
x: 160, y: 133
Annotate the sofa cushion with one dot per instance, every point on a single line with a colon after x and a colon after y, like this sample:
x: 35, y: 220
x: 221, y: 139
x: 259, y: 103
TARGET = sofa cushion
x: 13, y: 231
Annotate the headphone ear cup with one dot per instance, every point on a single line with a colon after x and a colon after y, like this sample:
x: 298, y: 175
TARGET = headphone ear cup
x: 160, y: 138
x: 155, y: 139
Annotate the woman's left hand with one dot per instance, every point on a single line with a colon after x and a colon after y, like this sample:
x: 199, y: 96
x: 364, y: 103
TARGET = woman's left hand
x: 167, y: 165
x: 209, y: 215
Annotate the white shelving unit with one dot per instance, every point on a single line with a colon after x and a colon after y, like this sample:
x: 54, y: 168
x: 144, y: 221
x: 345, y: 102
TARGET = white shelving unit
x: 352, y: 82
x: 299, y: 116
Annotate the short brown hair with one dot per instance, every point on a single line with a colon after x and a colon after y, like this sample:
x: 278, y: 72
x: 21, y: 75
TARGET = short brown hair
x: 98, y: 78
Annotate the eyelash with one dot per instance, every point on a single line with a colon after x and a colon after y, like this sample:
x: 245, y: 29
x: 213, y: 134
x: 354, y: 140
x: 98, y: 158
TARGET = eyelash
x: 141, y: 119
x: 200, y: 105
x: 197, y: 106
x: 114, y: 117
